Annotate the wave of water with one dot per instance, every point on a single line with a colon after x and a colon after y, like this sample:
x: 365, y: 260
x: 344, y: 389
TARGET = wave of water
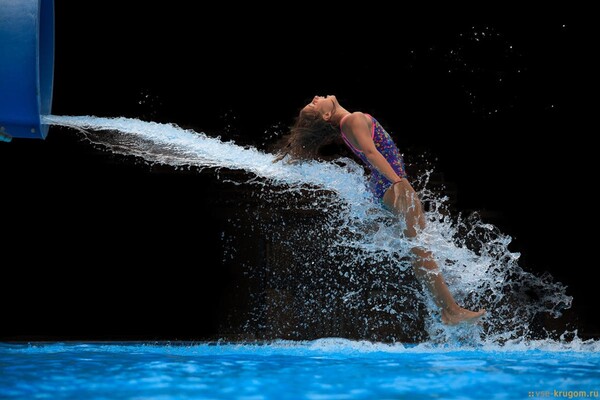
x: 339, y: 346
x: 345, y: 255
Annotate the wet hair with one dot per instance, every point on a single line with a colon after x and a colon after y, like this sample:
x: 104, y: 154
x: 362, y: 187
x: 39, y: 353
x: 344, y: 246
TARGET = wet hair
x: 307, y: 137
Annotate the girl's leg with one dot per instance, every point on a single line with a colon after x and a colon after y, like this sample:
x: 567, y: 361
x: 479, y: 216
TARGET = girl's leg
x: 426, y: 269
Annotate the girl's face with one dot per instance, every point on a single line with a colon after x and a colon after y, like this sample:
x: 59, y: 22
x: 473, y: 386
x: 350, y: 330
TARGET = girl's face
x: 322, y: 105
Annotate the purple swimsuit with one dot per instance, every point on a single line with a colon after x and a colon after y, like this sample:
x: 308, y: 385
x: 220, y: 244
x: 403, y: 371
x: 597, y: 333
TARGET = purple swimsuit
x: 378, y: 183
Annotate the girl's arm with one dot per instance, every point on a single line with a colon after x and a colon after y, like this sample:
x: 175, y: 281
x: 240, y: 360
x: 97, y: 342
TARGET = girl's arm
x: 357, y: 128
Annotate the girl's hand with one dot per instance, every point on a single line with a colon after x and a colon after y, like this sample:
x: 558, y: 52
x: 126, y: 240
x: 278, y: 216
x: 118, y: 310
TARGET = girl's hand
x: 405, y: 197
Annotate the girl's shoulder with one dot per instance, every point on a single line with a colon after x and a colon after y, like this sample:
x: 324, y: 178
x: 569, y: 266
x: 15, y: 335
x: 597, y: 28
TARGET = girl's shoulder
x: 356, y: 117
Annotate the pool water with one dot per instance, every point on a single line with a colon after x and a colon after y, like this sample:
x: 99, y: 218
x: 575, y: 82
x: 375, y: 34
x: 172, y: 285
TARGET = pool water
x: 321, y: 369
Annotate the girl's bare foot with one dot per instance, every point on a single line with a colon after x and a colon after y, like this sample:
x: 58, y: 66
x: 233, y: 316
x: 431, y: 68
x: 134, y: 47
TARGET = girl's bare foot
x: 460, y: 315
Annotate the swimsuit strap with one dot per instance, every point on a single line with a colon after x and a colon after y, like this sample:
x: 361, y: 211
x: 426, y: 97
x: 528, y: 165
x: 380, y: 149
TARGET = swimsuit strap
x: 342, y: 120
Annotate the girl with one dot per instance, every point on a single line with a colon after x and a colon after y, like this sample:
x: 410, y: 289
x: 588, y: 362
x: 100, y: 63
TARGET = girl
x: 322, y: 121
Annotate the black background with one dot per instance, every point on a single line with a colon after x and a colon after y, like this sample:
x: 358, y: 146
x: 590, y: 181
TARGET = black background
x: 504, y: 114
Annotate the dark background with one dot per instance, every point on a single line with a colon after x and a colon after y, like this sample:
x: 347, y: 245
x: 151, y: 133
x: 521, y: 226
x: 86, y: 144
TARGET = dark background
x: 502, y: 109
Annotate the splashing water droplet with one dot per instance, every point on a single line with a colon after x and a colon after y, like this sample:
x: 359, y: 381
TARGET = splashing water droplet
x: 356, y: 264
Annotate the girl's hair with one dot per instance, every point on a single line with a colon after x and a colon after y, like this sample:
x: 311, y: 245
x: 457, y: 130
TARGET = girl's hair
x: 309, y: 134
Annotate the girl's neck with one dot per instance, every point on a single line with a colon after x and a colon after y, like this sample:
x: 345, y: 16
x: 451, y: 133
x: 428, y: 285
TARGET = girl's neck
x: 340, y: 113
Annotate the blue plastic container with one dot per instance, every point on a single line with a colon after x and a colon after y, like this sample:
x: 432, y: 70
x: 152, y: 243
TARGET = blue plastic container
x: 26, y: 67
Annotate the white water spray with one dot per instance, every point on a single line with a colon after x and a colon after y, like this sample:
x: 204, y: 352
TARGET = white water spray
x: 362, y: 263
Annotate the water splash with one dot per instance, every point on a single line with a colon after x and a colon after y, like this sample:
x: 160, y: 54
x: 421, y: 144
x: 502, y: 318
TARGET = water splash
x: 338, y: 264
